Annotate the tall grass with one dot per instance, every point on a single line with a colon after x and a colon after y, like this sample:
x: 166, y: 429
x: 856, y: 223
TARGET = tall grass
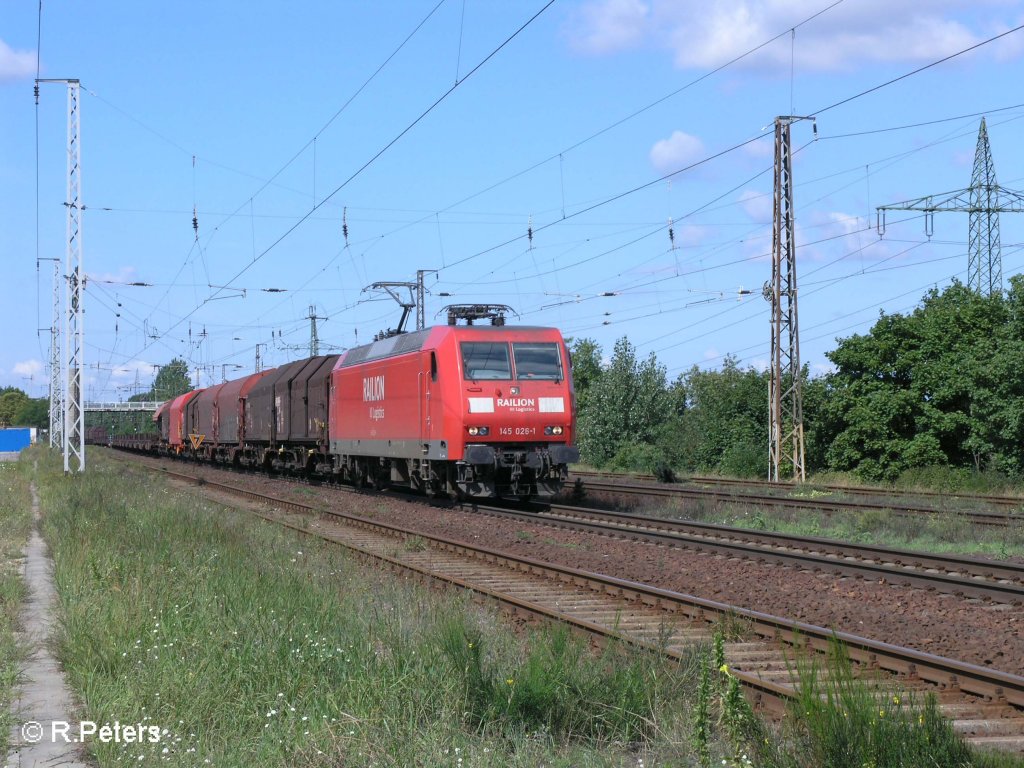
x: 558, y: 688
x: 836, y: 721
x: 840, y: 721
x: 252, y: 646
x: 15, y: 526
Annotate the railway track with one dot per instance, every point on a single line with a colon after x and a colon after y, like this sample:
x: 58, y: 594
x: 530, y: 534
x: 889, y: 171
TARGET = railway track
x: 986, y: 706
x: 765, y: 487
x: 964, y: 576
x: 814, y: 503
x: 1008, y: 502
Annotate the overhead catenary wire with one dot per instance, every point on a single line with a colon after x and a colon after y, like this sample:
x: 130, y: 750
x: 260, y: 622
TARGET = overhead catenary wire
x: 866, y: 91
x: 369, y: 162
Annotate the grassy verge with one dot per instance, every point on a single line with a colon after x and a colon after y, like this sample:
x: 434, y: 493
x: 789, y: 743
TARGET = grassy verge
x: 15, y: 526
x: 248, y: 645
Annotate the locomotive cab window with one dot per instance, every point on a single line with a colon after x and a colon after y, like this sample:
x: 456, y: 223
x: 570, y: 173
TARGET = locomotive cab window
x: 537, y: 361
x: 485, y: 360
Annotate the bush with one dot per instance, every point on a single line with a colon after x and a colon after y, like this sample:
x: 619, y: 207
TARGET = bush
x: 744, y: 460
x: 940, y: 477
x: 642, y: 458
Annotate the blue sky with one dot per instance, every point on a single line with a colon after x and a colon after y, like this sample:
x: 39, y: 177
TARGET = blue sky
x: 273, y: 122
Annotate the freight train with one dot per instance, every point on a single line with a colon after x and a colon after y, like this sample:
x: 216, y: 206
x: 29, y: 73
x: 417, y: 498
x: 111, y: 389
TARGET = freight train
x: 472, y: 411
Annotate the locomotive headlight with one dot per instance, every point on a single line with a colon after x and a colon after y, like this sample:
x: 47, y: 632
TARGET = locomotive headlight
x: 552, y: 430
x: 474, y: 431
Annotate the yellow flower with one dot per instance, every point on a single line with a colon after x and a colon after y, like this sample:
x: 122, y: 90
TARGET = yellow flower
x: 510, y: 681
x: 724, y: 668
x: 881, y: 713
x: 896, y: 700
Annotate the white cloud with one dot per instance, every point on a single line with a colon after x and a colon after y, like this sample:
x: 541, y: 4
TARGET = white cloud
x: 676, y: 152
x: 763, y: 149
x: 757, y: 205
x: 607, y: 26
x: 28, y: 368
x: 708, y: 35
x: 689, y: 235
x: 15, y: 65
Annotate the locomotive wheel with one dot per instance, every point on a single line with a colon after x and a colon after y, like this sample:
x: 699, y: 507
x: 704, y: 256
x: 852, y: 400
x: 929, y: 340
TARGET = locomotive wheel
x: 359, y: 475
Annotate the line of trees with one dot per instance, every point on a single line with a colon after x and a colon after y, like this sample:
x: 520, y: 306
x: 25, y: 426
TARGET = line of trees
x: 942, y: 386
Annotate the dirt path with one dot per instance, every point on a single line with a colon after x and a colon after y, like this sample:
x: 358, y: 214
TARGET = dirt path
x: 43, y: 700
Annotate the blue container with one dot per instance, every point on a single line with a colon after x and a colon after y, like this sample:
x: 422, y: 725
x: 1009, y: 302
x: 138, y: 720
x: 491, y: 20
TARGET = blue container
x: 15, y: 439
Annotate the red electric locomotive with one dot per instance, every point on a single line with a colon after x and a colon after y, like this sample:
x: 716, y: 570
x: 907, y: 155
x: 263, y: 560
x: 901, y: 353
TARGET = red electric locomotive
x: 479, y: 411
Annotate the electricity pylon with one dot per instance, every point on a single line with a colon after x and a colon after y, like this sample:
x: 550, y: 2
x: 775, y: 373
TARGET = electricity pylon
x: 74, y: 341
x: 984, y: 200
x: 785, y: 386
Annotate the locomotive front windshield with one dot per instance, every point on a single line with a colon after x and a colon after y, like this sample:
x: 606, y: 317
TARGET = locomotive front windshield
x: 490, y: 360
x: 485, y: 360
x: 537, y: 361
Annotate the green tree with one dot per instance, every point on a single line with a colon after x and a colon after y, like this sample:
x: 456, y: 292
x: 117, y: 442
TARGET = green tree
x: 11, y: 402
x: 725, y: 426
x: 625, y: 406
x: 34, y: 412
x: 170, y: 381
x: 586, y: 366
x: 940, y: 386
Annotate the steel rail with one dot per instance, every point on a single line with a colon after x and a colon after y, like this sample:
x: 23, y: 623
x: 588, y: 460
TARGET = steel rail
x: 969, y: 577
x: 787, y: 487
x: 974, y: 498
x: 1001, y: 519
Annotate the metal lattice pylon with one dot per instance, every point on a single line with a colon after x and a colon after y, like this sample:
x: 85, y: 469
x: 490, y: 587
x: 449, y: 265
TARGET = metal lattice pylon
x: 984, y: 252
x: 314, y: 336
x: 984, y: 200
x: 785, y: 388
x: 56, y: 368
x: 74, y: 422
